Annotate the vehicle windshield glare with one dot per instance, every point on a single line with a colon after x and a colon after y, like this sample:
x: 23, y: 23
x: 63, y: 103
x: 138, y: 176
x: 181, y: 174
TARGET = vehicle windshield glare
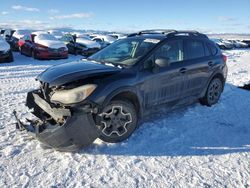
x: 125, y: 52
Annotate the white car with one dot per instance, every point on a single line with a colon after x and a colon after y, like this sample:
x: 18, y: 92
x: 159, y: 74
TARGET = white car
x: 56, y: 33
x: 88, y: 42
x: 222, y: 43
x: 19, y: 33
x: 239, y: 44
x: 5, y: 51
x: 104, y: 40
x: 117, y: 35
x: 79, y: 34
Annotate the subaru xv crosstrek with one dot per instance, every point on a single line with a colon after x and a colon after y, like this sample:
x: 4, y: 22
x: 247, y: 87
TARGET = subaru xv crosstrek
x: 105, y: 95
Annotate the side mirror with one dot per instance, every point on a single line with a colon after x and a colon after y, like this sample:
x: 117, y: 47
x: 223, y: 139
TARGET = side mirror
x: 162, y: 62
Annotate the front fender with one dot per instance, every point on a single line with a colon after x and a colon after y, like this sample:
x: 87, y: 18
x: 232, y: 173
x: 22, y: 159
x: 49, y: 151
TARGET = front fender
x: 108, y: 95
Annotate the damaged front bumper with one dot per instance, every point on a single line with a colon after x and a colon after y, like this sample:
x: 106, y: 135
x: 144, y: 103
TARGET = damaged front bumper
x: 59, y: 128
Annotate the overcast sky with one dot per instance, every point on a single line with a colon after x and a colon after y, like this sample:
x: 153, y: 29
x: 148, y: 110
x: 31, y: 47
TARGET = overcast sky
x: 230, y: 16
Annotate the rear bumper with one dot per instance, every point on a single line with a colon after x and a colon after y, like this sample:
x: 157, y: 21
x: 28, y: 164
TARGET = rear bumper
x: 77, y: 131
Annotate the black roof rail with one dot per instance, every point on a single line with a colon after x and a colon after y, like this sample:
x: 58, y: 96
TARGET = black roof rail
x: 152, y: 31
x: 157, y: 31
x: 169, y: 32
x: 187, y: 32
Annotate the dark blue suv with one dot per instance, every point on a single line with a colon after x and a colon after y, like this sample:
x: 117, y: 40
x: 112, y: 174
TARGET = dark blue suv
x: 105, y: 95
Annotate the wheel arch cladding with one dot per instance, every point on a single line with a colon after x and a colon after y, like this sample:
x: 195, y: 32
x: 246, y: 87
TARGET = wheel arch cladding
x: 215, y: 75
x: 130, y: 96
x: 220, y: 76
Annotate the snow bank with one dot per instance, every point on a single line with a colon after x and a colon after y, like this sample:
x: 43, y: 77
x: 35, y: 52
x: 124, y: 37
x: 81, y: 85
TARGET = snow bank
x: 238, y: 67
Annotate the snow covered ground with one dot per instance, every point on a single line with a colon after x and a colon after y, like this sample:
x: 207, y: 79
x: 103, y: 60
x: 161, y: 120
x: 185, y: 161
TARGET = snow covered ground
x: 192, y: 147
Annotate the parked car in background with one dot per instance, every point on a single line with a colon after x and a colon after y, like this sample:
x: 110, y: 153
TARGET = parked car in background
x: 19, y: 33
x: 117, y: 36
x: 13, y: 41
x: 247, y: 42
x: 42, y: 46
x: 238, y: 44
x: 91, y: 46
x: 79, y: 34
x: 104, y: 40
x: 56, y: 33
x: 82, y: 46
x: 225, y: 45
x: 5, y: 51
x: 229, y: 45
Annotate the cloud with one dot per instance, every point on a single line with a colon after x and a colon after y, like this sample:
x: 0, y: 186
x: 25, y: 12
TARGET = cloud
x: 27, y: 24
x: 20, y: 7
x: 53, y: 11
x: 226, y: 19
x: 4, y: 13
x: 32, y: 24
x: 69, y: 16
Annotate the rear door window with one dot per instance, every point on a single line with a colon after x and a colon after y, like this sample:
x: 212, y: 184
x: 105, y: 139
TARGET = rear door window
x: 195, y: 49
x: 171, y: 51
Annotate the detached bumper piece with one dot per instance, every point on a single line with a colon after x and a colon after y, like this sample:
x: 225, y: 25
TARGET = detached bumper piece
x: 77, y: 131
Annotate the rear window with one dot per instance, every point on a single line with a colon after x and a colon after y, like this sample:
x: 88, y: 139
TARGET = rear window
x: 195, y: 49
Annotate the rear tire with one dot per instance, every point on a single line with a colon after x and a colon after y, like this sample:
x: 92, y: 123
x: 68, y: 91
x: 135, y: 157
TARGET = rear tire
x: 118, y: 121
x: 213, y: 92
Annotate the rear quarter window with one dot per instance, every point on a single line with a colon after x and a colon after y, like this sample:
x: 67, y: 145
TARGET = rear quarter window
x: 212, y: 48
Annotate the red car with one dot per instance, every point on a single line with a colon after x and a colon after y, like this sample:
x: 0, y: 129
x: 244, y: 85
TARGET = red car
x: 42, y: 46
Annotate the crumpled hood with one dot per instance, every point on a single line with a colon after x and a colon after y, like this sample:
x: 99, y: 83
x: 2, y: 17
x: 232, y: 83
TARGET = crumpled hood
x: 88, y: 43
x: 4, y: 46
x: 72, y: 71
x: 51, y: 43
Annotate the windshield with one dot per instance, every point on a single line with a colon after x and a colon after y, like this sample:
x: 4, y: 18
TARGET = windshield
x: 125, y: 52
x: 46, y: 37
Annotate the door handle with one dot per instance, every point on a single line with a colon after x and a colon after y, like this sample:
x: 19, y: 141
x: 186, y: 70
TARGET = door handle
x: 183, y: 70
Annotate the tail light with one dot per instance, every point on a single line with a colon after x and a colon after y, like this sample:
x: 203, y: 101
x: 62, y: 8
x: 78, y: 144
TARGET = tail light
x: 224, y: 58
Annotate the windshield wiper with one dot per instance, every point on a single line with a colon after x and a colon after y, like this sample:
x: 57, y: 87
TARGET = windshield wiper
x: 108, y: 62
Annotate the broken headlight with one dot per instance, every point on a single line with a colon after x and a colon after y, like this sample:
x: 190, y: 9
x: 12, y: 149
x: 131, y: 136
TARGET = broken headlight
x: 72, y: 96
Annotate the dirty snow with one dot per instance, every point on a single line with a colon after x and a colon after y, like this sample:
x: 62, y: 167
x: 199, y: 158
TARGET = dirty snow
x: 192, y: 147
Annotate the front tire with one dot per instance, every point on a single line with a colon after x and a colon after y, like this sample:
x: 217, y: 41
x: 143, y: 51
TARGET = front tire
x: 213, y: 92
x: 118, y: 121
